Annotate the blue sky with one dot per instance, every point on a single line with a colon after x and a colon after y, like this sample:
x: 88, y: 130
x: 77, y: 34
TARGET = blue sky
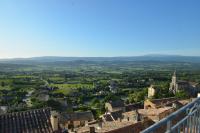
x: 99, y: 27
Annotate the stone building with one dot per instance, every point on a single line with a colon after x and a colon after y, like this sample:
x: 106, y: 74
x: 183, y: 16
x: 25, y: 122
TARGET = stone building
x: 76, y: 119
x: 156, y: 114
x: 152, y: 90
x: 191, y: 88
x: 158, y: 103
x: 112, y: 116
x: 142, y: 114
x: 165, y: 102
x: 116, y: 109
x: 132, y: 116
x: 117, y: 105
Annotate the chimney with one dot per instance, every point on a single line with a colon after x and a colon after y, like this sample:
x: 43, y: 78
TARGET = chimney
x: 92, y: 130
x: 54, y: 120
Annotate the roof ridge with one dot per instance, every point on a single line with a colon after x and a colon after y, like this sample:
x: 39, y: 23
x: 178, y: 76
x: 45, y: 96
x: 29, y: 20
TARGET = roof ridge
x: 26, y: 111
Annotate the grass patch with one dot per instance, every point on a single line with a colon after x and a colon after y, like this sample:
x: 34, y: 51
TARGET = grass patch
x: 68, y: 88
x: 72, y: 86
x: 5, y: 88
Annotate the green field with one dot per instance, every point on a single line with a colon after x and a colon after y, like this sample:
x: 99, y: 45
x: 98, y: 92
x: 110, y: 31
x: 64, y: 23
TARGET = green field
x: 68, y: 88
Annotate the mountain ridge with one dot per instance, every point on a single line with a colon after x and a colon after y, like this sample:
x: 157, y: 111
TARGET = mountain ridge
x: 150, y: 57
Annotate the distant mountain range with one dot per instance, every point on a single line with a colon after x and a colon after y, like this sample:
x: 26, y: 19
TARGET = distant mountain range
x: 152, y: 57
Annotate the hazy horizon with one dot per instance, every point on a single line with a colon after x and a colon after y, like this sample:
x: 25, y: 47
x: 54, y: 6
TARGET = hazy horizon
x: 146, y: 55
x: 103, y: 28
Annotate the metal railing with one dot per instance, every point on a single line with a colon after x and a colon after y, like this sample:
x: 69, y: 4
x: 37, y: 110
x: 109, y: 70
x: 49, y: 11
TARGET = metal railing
x: 184, y: 120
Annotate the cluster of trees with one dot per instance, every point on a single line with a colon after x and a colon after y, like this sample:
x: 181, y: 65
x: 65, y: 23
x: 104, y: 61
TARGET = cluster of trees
x: 138, y: 96
x: 55, y: 105
x: 12, y: 97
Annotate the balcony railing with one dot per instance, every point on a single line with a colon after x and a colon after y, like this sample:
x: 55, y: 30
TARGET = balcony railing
x: 184, y: 120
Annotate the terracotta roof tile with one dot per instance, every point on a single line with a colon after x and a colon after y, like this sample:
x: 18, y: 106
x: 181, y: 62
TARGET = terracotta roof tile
x: 29, y: 121
x: 153, y: 111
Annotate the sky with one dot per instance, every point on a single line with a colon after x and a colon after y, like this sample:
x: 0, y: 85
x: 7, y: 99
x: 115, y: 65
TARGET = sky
x: 99, y: 28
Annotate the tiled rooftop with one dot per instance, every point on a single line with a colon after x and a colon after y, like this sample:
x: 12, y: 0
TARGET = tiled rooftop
x: 109, y: 126
x: 163, y: 101
x: 153, y: 111
x: 77, y: 116
x: 37, y: 121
